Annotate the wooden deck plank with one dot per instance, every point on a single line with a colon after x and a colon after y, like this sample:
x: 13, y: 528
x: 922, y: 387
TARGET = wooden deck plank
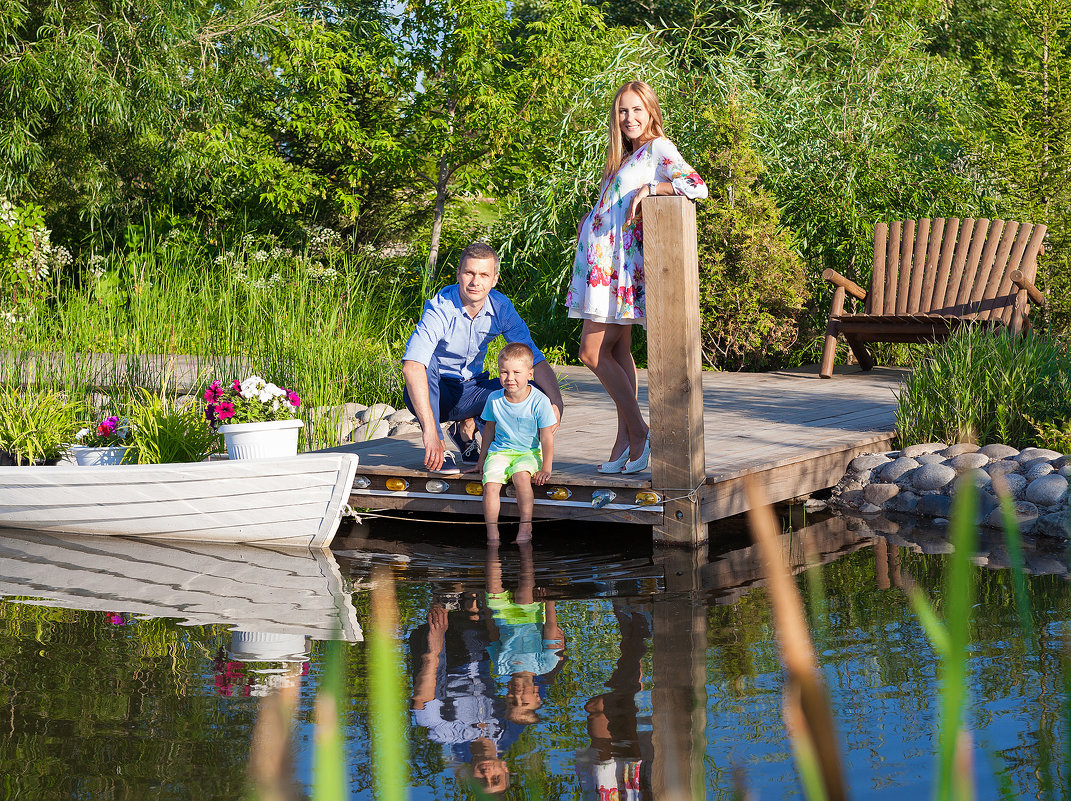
x: 789, y: 427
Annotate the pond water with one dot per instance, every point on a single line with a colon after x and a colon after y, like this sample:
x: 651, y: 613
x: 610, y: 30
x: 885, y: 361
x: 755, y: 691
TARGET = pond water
x: 588, y: 660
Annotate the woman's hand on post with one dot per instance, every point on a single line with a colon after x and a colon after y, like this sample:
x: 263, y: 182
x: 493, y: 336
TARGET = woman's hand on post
x: 634, y: 206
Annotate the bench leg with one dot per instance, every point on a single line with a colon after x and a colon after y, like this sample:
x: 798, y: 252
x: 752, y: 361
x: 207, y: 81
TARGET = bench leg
x: 862, y: 355
x: 829, y: 349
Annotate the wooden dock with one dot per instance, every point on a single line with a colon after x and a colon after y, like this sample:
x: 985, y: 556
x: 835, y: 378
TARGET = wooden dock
x: 791, y: 430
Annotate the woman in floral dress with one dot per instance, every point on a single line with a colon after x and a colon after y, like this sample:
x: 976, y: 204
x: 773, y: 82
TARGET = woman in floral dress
x: 606, y: 291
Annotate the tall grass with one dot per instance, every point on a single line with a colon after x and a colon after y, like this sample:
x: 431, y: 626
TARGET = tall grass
x: 985, y: 386
x: 332, y: 329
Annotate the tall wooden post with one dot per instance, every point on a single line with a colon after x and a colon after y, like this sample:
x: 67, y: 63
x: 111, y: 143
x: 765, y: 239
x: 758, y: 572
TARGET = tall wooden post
x: 674, y: 366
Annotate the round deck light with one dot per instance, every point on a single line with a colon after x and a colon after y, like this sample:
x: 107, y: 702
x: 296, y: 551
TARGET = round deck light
x: 361, y: 482
x: 511, y: 491
x: 397, y: 484
x: 436, y: 485
x: 559, y: 494
x: 474, y: 488
x: 646, y: 498
x: 599, y: 498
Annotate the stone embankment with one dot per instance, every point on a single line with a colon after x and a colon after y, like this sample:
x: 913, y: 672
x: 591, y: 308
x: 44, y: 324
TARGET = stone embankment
x: 355, y: 422
x: 920, y: 480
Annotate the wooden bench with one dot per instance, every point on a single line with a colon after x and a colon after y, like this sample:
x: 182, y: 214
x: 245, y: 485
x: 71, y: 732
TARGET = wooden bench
x: 931, y: 276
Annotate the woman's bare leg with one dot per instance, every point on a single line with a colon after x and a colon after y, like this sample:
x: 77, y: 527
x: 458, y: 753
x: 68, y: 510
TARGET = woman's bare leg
x: 598, y: 343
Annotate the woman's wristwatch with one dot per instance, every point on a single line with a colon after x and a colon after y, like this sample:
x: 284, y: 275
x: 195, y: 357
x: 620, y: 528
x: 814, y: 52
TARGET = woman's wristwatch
x: 652, y: 188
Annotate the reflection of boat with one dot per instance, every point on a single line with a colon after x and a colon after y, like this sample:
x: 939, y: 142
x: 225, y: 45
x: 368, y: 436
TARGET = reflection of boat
x: 293, y: 501
x: 256, y: 589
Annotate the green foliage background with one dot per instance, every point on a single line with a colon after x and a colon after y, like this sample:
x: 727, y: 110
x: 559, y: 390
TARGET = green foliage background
x: 182, y: 129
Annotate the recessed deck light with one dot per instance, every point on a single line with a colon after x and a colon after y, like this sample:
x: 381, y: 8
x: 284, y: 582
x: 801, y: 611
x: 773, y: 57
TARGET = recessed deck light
x: 397, y: 484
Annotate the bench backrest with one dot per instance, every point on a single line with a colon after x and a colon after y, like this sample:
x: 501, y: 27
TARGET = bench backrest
x: 958, y: 268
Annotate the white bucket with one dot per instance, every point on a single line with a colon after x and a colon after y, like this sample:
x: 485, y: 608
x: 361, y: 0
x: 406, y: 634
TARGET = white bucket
x: 98, y: 456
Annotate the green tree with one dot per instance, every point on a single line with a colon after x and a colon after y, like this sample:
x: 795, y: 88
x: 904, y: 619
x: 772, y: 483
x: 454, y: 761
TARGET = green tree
x: 1027, y: 134
x: 752, y: 283
x: 98, y: 95
x: 484, y: 94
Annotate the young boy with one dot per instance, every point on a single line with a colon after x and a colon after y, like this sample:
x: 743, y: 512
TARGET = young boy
x: 519, y: 421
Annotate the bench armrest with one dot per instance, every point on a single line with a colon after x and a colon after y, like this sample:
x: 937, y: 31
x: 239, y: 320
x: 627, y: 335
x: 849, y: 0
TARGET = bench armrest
x: 1023, y: 282
x: 849, y: 285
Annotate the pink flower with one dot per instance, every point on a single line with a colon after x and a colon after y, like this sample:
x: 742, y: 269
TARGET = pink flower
x: 116, y: 619
x: 214, y: 392
x: 237, y: 385
x: 292, y: 396
x: 224, y: 410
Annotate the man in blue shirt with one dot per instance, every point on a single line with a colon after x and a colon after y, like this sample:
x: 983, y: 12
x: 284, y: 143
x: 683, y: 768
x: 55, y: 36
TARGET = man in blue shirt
x: 443, y: 360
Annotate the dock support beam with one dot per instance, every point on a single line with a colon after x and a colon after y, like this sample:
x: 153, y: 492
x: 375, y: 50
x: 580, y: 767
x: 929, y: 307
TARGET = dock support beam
x: 674, y: 367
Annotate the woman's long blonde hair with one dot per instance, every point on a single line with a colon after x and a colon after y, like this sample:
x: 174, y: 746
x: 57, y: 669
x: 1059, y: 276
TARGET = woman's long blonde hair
x: 619, y: 147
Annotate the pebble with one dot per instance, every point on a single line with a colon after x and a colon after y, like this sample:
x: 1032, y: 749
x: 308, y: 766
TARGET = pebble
x: 960, y: 447
x: 930, y: 458
x: 1028, y: 454
x: 1002, y: 468
x: 1055, y: 524
x: 401, y: 416
x: 376, y: 412
x: 352, y: 411
x: 1013, y: 482
x: 897, y: 468
x: 1036, y: 468
x: 932, y: 476
x: 869, y: 509
x: 1026, y: 517
x: 968, y: 461
x: 1065, y: 471
x: 998, y: 450
x: 934, y: 505
x: 405, y: 429
x: 377, y: 429
x: 914, y: 451
x: 905, y: 502
x: 868, y: 462
x: 1047, y: 490
x: 880, y: 494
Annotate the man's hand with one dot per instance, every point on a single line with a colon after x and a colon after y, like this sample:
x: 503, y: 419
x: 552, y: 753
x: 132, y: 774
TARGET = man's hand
x: 434, y: 452
x: 437, y: 619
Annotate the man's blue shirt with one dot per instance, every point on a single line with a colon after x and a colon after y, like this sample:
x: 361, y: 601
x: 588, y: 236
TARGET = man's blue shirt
x: 460, y: 342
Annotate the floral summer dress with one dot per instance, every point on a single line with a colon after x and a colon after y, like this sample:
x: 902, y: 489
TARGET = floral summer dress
x: 607, y: 282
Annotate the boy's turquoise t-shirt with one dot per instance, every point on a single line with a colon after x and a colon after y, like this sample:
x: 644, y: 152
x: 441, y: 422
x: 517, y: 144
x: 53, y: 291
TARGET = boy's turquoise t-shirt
x: 517, y: 424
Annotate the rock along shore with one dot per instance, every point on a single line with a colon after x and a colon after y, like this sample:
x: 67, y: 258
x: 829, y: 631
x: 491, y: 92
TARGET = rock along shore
x: 921, y: 479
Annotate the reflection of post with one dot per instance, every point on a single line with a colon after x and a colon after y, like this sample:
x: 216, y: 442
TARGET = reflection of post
x: 674, y: 364
x: 679, y: 696
x: 881, y: 562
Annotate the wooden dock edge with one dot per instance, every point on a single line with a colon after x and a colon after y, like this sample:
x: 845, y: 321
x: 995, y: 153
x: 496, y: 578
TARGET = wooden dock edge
x: 723, y: 497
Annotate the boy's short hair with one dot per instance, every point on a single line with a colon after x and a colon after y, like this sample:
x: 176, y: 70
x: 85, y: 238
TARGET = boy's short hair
x: 516, y: 350
x: 478, y: 250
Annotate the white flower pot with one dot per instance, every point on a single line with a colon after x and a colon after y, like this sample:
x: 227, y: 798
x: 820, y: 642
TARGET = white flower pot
x: 97, y: 456
x: 261, y: 440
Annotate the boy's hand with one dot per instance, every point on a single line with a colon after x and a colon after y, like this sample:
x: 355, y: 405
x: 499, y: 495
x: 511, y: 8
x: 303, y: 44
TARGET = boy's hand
x: 475, y: 468
x: 542, y: 477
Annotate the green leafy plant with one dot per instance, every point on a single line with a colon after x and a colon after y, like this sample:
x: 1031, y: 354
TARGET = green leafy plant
x: 35, y: 426
x: 164, y: 433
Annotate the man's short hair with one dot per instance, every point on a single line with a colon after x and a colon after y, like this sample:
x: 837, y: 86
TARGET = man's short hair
x: 478, y: 250
x: 516, y: 351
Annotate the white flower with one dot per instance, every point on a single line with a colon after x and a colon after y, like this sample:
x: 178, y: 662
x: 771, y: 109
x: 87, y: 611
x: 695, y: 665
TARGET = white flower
x: 81, y: 434
x: 268, y: 392
x: 252, y: 387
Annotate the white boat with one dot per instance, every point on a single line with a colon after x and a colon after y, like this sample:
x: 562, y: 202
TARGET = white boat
x: 281, y: 591
x: 292, y: 501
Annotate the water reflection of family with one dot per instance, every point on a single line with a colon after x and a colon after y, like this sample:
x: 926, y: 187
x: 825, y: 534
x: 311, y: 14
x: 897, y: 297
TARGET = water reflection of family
x: 474, y: 643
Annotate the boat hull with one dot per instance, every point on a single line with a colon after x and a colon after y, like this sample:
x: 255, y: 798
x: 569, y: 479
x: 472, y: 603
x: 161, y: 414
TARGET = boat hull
x: 293, y: 501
